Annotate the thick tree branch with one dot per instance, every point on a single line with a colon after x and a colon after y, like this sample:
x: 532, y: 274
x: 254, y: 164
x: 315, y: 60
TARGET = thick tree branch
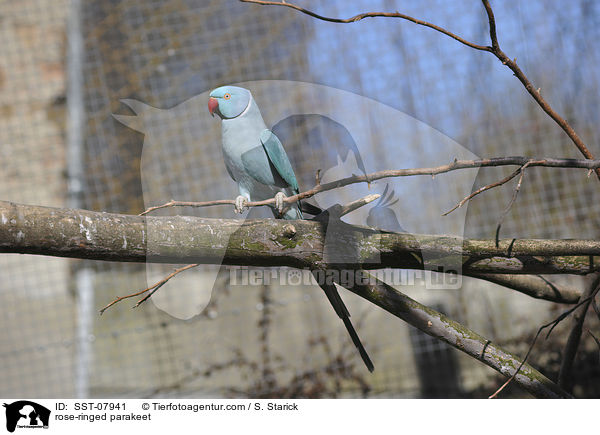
x: 462, y: 338
x: 269, y: 242
x: 534, y: 286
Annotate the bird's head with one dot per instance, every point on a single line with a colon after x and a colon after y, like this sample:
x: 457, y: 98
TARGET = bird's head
x: 229, y: 101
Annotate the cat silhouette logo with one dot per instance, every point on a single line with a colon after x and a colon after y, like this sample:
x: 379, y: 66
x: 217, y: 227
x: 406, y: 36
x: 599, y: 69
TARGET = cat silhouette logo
x: 26, y: 414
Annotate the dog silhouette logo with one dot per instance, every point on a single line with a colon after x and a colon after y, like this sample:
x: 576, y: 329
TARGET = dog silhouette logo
x: 26, y: 414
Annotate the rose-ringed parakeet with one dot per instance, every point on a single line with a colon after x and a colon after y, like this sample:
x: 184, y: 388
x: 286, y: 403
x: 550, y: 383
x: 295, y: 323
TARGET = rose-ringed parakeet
x: 256, y: 160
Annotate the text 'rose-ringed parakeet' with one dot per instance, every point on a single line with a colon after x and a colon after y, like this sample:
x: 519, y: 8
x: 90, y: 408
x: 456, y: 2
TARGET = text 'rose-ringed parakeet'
x: 256, y: 160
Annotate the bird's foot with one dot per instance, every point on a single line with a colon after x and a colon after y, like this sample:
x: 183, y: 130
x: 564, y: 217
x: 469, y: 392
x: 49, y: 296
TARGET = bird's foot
x: 241, y: 204
x: 280, y: 202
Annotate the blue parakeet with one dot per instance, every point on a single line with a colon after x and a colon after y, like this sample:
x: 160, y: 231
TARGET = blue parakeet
x: 254, y: 156
x: 256, y: 160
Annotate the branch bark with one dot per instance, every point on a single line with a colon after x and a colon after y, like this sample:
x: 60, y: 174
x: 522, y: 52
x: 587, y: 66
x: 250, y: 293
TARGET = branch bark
x: 458, y: 336
x: 27, y: 229
x: 535, y: 286
x: 270, y: 242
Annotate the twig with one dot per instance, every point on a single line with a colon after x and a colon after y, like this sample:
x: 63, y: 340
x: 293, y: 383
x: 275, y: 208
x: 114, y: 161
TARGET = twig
x: 510, y: 204
x: 350, y: 207
x: 553, y: 324
x: 575, y: 334
x: 152, y: 289
x: 371, y: 15
x: 455, y: 165
x: 483, y: 189
x: 174, y: 203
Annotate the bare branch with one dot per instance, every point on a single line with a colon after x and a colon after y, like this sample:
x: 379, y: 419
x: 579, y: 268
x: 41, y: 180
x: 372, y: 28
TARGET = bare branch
x: 174, y: 203
x: 539, y: 289
x: 575, y: 335
x: 370, y: 15
x: 462, y: 338
x: 436, y: 325
x: 535, y: 286
x: 552, y: 325
x: 354, y: 205
x: 492, y: 23
x: 510, y: 203
x: 455, y: 165
x: 152, y: 289
x: 483, y: 189
x: 535, y: 93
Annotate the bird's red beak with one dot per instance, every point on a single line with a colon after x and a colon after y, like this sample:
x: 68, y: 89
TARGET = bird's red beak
x: 213, y: 104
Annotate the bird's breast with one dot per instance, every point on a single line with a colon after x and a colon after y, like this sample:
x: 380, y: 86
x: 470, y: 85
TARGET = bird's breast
x: 240, y: 136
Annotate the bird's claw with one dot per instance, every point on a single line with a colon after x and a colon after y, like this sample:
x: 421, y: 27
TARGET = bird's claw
x: 279, y: 202
x: 241, y: 204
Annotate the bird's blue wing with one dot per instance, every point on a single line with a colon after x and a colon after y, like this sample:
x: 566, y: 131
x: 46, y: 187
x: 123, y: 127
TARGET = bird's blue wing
x: 258, y: 165
x: 279, y: 158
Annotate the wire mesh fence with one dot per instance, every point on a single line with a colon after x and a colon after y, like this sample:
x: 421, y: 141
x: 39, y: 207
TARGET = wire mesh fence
x: 145, y: 70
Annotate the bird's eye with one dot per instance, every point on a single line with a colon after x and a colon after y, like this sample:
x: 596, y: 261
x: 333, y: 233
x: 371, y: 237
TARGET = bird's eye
x: 227, y: 96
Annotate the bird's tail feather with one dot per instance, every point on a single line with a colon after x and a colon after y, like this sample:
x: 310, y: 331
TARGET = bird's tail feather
x: 300, y: 215
x: 309, y: 208
x: 341, y: 310
x: 361, y: 349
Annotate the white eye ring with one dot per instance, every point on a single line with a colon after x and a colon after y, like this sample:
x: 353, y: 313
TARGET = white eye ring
x: 227, y: 96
